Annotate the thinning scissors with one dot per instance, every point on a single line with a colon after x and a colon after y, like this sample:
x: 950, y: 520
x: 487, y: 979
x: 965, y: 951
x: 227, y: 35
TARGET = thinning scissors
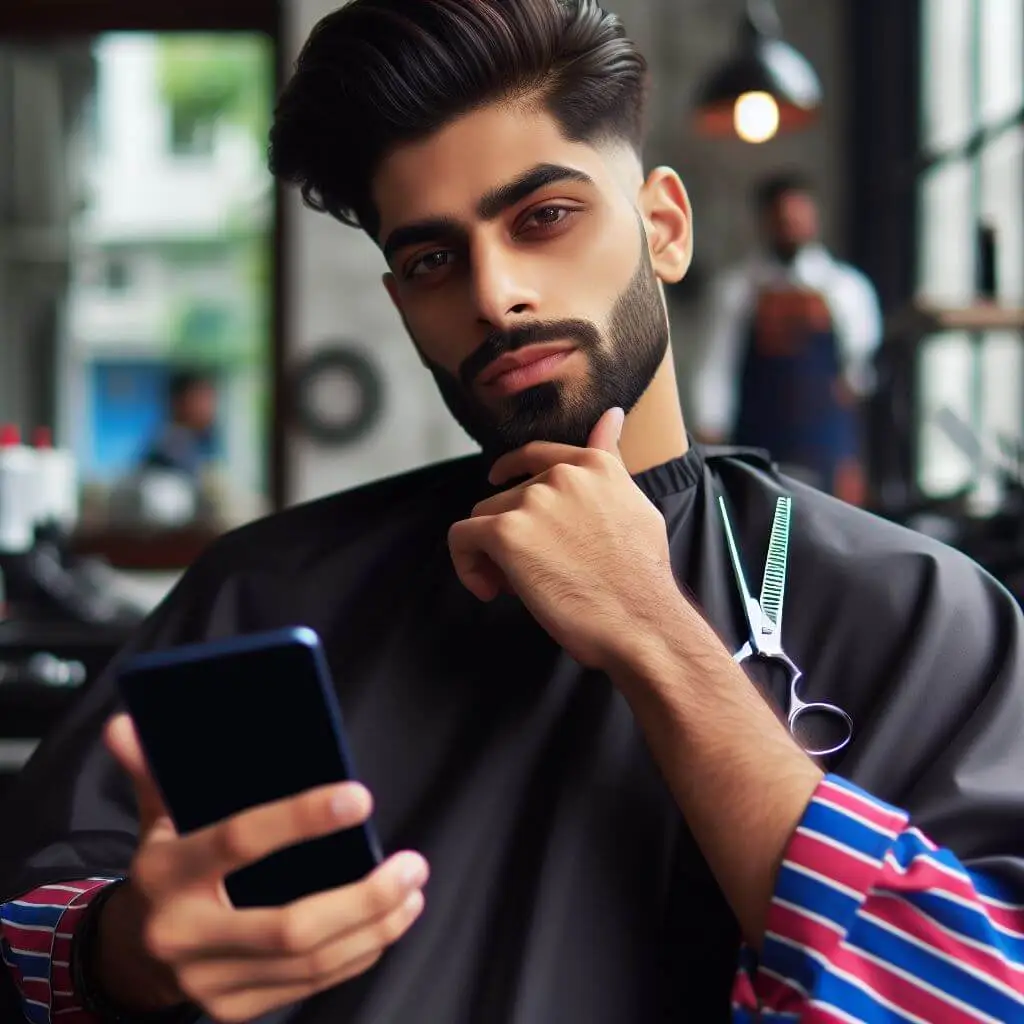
x: 764, y: 619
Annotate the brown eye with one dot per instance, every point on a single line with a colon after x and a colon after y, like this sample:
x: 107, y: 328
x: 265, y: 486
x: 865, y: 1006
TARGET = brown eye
x: 429, y: 263
x: 548, y: 216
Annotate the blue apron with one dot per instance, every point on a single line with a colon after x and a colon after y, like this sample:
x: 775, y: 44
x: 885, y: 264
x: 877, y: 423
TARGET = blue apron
x: 789, y: 399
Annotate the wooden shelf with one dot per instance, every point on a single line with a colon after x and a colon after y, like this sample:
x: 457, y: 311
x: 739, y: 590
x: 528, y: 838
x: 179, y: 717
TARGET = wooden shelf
x: 920, y: 319
x: 150, y: 551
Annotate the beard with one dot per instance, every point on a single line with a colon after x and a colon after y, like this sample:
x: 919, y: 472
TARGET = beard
x: 621, y: 367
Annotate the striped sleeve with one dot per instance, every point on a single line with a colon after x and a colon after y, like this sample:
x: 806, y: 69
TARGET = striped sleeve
x: 871, y: 921
x: 36, y: 932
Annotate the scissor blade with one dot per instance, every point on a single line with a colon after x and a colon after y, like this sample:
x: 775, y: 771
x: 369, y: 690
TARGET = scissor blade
x: 751, y: 608
x: 773, y: 587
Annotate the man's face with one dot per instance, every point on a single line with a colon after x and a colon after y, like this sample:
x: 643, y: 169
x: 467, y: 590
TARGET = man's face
x: 198, y: 407
x: 793, y: 221
x: 520, y: 265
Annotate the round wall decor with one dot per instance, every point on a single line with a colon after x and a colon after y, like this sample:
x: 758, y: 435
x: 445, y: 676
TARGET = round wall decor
x: 338, y: 395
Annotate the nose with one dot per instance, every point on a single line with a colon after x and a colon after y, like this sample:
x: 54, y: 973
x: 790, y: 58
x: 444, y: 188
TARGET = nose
x: 502, y: 292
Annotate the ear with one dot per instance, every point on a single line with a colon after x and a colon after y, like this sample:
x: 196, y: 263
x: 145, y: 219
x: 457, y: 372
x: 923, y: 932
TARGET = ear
x: 665, y: 207
x: 391, y: 287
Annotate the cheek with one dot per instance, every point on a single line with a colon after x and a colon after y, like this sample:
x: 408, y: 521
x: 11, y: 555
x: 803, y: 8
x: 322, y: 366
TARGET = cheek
x: 606, y: 264
x: 433, y: 342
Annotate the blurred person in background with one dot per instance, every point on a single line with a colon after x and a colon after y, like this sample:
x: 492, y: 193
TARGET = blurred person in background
x: 178, y: 482
x: 183, y: 444
x: 787, y: 357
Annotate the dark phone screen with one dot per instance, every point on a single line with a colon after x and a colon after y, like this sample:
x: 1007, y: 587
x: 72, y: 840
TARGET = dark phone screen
x: 239, y: 729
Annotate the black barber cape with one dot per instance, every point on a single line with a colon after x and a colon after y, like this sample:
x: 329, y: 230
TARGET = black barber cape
x: 566, y: 888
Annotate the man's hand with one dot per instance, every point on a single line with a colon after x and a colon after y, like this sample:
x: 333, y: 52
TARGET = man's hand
x: 578, y: 542
x: 171, y: 935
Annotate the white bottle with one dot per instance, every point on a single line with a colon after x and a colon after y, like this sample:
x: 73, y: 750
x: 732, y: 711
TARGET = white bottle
x: 57, y: 484
x: 19, y: 499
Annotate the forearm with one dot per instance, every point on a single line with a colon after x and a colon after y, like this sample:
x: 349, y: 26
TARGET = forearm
x: 738, y: 778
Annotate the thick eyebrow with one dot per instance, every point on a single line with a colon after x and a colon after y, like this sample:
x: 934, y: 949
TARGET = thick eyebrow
x: 433, y: 229
x: 492, y: 205
x: 501, y: 198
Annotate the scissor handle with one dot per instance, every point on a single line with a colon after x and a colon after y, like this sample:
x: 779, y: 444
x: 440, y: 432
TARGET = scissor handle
x: 799, y: 709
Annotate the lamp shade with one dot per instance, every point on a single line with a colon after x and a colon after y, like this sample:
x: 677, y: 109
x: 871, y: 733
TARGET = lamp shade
x: 764, y: 87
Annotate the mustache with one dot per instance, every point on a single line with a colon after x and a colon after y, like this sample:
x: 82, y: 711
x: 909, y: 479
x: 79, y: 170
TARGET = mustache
x: 498, y: 343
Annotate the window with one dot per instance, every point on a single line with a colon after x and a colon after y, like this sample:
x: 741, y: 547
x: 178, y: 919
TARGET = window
x: 972, y: 96
x: 192, y: 134
x: 118, y: 274
x: 166, y: 264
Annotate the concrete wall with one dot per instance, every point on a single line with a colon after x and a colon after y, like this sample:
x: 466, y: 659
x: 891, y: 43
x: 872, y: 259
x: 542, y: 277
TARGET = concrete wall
x: 334, y: 273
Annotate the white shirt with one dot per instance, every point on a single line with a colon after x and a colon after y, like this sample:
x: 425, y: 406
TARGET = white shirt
x: 850, y: 298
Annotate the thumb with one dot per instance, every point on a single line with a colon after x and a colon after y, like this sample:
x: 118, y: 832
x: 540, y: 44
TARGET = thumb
x: 123, y: 742
x: 608, y: 432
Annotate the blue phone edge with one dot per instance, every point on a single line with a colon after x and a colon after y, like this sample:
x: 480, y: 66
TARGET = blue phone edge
x: 245, y: 643
x: 204, y: 649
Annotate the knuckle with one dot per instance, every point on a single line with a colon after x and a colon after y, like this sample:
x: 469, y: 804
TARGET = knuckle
x: 380, y: 898
x: 191, y: 984
x: 234, y: 840
x: 535, y: 496
x: 392, y: 928
x: 160, y: 939
x: 293, y: 932
x: 560, y: 475
x: 319, y: 964
x: 507, y: 529
x: 310, y: 814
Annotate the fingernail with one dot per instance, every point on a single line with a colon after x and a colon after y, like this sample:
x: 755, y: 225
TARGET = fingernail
x: 620, y: 420
x: 413, y: 871
x: 348, y: 800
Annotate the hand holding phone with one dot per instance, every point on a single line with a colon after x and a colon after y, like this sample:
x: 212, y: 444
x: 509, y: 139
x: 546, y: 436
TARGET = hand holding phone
x: 171, y: 934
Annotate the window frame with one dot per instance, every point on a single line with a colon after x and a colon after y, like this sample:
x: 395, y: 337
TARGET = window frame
x: 967, y: 154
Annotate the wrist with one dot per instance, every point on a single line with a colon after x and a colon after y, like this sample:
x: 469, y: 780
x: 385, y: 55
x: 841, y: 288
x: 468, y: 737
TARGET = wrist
x: 118, y: 980
x: 663, y: 649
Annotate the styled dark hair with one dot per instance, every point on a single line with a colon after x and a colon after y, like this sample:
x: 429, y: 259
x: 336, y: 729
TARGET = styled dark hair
x: 380, y: 73
x: 768, y: 191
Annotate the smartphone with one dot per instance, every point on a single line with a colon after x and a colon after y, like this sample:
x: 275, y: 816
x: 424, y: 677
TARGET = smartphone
x: 231, y: 724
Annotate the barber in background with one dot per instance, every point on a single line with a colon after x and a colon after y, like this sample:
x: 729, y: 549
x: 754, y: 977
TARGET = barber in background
x: 787, y: 356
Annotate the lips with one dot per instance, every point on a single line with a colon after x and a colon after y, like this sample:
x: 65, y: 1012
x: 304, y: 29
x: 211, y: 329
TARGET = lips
x: 521, y: 359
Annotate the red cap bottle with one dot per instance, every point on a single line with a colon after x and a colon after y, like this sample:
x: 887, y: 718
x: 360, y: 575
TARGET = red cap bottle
x: 10, y: 435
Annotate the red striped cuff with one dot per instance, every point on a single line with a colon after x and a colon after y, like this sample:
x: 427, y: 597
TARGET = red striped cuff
x: 833, y: 860
x: 38, y: 929
x: 870, y: 919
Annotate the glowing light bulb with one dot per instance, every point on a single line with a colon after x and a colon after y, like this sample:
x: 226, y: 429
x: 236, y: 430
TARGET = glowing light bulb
x: 756, y: 116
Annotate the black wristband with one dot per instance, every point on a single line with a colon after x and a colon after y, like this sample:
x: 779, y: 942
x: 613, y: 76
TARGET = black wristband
x: 83, y: 950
